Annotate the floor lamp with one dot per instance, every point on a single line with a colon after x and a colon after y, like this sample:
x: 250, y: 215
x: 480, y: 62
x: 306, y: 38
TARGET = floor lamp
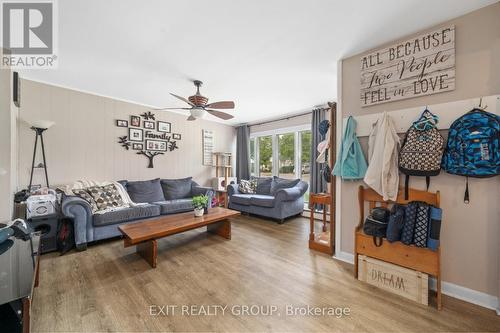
x: 39, y: 127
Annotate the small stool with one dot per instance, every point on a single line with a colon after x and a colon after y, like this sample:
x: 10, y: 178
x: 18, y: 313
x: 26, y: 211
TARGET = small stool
x: 323, y: 241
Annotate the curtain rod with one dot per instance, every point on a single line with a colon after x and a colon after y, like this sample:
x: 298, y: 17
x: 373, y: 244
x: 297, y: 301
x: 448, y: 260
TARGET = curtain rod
x: 289, y: 117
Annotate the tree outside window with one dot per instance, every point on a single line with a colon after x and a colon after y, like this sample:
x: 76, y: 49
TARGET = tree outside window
x: 266, y: 156
x: 286, y: 147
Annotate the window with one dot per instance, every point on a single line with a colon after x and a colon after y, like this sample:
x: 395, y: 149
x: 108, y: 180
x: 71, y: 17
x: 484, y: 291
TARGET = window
x: 252, y: 157
x: 283, y: 152
x: 265, y: 156
x: 286, y: 148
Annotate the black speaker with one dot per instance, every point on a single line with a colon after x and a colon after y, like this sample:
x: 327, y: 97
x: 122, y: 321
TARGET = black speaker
x: 15, y: 89
x: 47, y: 225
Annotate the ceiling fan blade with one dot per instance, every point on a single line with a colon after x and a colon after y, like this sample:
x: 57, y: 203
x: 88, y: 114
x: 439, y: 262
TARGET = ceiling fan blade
x: 220, y: 114
x: 171, y: 109
x: 182, y: 99
x: 190, y: 118
x: 221, y: 105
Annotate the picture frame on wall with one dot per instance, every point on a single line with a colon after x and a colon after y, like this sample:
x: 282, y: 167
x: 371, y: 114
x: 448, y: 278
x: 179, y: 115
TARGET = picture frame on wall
x: 176, y: 136
x: 121, y: 123
x: 164, y: 127
x: 156, y: 145
x: 137, y: 146
x: 149, y: 124
x: 135, y: 134
x: 208, y: 143
x: 135, y: 121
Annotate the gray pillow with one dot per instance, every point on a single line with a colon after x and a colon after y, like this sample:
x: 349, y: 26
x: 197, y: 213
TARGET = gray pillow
x: 263, y: 185
x: 145, y: 191
x: 176, y: 188
x: 281, y: 183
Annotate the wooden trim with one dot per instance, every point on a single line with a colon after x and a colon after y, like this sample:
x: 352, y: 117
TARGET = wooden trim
x: 26, y: 320
x: 333, y: 156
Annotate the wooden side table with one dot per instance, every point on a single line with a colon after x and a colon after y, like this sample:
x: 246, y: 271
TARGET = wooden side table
x: 322, y: 242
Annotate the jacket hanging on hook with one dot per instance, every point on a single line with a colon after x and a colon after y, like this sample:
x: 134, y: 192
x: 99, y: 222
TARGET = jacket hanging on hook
x: 382, y: 174
x: 351, y: 163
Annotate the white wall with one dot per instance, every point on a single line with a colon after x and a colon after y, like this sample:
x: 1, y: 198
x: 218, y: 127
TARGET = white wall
x: 83, y: 144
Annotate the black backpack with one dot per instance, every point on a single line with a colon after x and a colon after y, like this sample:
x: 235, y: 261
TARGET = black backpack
x: 376, y: 225
x: 422, y: 150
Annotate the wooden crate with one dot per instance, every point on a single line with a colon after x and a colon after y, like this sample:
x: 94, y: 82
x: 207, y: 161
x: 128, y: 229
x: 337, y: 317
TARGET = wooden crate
x: 402, y: 281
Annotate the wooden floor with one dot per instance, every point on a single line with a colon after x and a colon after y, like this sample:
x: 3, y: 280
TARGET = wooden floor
x: 110, y: 288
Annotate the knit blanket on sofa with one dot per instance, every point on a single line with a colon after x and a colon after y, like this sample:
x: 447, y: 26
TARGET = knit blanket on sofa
x: 84, y: 184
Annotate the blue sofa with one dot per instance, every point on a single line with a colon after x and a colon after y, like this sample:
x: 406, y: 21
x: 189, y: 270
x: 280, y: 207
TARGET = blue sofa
x: 174, y: 196
x: 275, y: 197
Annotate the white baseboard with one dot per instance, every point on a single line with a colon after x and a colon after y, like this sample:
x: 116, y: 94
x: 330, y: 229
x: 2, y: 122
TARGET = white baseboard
x: 466, y: 294
x: 447, y: 288
x: 344, y: 256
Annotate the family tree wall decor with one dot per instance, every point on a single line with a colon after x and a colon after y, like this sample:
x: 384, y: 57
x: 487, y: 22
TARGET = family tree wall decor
x: 419, y: 66
x: 148, y: 137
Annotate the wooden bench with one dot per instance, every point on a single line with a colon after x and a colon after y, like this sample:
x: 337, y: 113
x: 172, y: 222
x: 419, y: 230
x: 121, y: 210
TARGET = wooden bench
x: 417, y: 258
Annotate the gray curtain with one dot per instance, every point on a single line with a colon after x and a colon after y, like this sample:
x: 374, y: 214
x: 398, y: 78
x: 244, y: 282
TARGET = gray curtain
x: 243, y: 152
x: 317, y: 184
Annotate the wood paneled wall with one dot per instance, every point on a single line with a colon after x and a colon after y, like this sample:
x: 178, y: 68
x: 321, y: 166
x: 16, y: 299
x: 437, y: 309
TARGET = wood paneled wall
x: 83, y: 144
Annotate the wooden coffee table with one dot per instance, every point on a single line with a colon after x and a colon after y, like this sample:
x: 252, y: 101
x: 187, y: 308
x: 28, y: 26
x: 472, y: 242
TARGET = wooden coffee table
x: 144, y: 234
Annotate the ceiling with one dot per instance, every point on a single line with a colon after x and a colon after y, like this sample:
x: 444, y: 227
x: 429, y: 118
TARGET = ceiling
x: 273, y: 58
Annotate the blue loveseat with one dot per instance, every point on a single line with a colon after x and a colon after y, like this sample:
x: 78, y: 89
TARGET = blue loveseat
x: 165, y: 196
x: 275, y: 197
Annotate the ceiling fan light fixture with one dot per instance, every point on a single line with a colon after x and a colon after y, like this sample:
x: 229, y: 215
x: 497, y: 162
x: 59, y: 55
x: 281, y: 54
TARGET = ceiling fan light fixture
x: 199, y: 107
x: 198, y: 112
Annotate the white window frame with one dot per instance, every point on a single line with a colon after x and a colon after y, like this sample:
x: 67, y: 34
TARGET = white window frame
x: 274, y: 135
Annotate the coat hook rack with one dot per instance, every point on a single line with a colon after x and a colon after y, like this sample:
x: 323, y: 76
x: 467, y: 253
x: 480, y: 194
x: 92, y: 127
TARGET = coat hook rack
x: 480, y: 104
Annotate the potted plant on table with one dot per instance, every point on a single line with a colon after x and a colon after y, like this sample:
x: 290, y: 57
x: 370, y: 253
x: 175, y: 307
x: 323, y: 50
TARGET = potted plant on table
x: 200, y: 202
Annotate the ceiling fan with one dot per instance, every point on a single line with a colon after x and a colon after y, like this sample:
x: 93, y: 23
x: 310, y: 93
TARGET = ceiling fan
x: 199, y: 106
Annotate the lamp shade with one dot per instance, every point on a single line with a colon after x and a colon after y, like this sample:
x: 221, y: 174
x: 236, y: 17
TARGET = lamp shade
x: 198, y: 112
x: 45, y: 124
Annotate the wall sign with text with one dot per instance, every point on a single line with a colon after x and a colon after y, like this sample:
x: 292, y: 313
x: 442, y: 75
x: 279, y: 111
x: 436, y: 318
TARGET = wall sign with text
x: 419, y: 66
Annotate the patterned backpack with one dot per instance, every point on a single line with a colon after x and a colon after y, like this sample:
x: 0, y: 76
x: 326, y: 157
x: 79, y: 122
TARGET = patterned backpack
x: 422, y: 150
x: 473, y: 148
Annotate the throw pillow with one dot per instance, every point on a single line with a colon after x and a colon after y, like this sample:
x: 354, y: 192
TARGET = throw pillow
x: 145, y: 191
x: 247, y: 186
x: 281, y: 183
x: 105, y: 196
x: 176, y: 188
x: 263, y: 185
x: 87, y: 197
